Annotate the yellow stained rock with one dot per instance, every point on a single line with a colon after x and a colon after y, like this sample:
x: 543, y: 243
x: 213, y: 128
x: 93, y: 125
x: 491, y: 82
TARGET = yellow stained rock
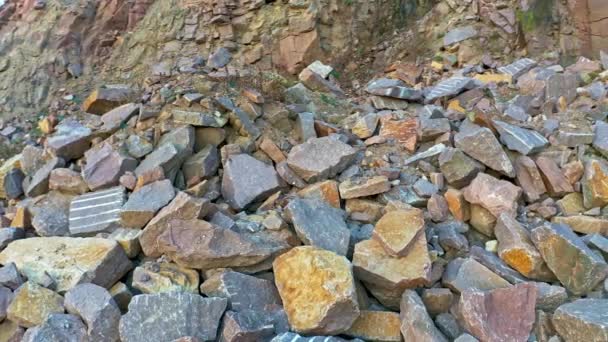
x: 397, y: 230
x: 13, y: 163
x: 455, y: 106
x: 318, y: 290
x: 494, y: 78
x: 383, y: 326
x: 33, y: 304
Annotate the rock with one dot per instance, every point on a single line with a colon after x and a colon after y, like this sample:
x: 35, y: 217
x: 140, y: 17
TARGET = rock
x: 13, y: 184
x: 559, y: 85
x: 467, y: 274
x: 600, y: 140
x: 354, y: 188
x: 497, y: 196
x: 144, y: 203
x: 58, y: 327
x: 366, y: 126
x: 582, y: 270
x: 555, y: 181
x: 10, y: 277
x: 183, y: 206
x: 219, y: 59
x: 115, y: 118
x: 519, y: 139
x: 8, y: 235
x: 272, y: 150
x: 326, y: 191
x: 496, y: 265
x: 571, y: 204
x: 594, y: 183
x: 481, y: 144
x: 68, y: 181
x: 482, y: 220
x: 549, y: 297
x: 450, y: 87
x: 252, y: 325
x: 318, y: 224
x: 98, y: 310
x: 437, y: 207
x: 202, y: 165
x: 14, y: 163
x: 373, y: 265
x: 529, y: 178
x: 128, y: 239
x: 243, y: 292
x: 316, y: 82
x: 105, y: 166
x: 459, y: 34
x: 96, y: 212
x: 102, y: 100
x: 320, y: 158
x: 247, y: 180
x: 437, y: 300
x: 584, y: 224
x: 290, y: 177
x: 138, y: 147
x: 363, y: 210
x: 32, y: 305
x: 403, y: 132
x: 431, y: 129
x: 160, y: 277
x: 416, y: 324
x: 39, y: 184
x: 199, y: 119
x: 200, y: 245
x: 69, y: 261
x: 239, y: 119
x: 121, y: 295
x: 376, y: 326
x: 505, y: 314
x: 582, y: 320
x: 393, y: 88
x: 70, y: 141
x: 326, y: 300
x: 289, y: 337
x: 518, y: 68
x: 517, y: 250
x: 169, y: 316
x: 398, y: 231
x: 448, y: 326
x: 459, y: 208
x: 167, y: 156
x: 6, y: 297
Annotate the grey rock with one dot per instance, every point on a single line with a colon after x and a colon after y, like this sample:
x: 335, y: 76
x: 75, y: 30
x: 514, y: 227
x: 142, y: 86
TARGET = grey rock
x: 424, y: 188
x: 416, y: 324
x: 201, y: 165
x: 430, y: 129
x: 70, y: 141
x: 115, y: 118
x: 320, y: 158
x: 219, y: 59
x: 600, y: 139
x: 138, y: 147
x: 50, y: 214
x: 466, y: 338
x: 604, y: 59
x: 448, y: 325
x: 199, y: 119
x: 8, y: 235
x: 243, y: 292
x: 58, y: 327
x: 481, y: 144
x: 394, y: 89
x: 13, y: 183
x: 96, y: 212
x: 250, y: 325
x: 10, y: 276
x: 559, y: 85
x: 597, y: 91
x: 293, y: 337
x: 105, y: 166
x: 319, y: 224
x: 458, y: 168
x: 431, y: 152
x: 239, y: 119
x: 467, y: 274
x: 290, y: 177
x: 145, y: 202
x: 305, y: 126
x: 165, y: 317
x: 96, y: 307
x: 582, y: 320
x: 518, y: 68
x: 549, y: 297
x: 39, y: 184
x: 515, y: 112
x: 450, y: 87
x: 496, y: 265
x: 247, y: 180
x: 459, y: 34
x: 166, y: 156
x: 519, y: 139
x: 6, y: 297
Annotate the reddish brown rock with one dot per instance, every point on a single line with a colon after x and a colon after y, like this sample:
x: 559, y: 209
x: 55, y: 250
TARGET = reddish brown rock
x: 399, y: 230
x: 497, y: 196
x: 457, y: 205
x: 296, y: 51
x: 68, y: 181
x: 404, y: 132
x: 437, y: 207
x: 595, y: 183
x: 482, y: 220
x: 105, y: 166
x: 326, y: 191
x: 363, y: 210
x: 272, y: 150
x: 529, y: 178
x: 499, y: 315
x: 555, y: 181
x: 354, y: 188
x: 573, y: 171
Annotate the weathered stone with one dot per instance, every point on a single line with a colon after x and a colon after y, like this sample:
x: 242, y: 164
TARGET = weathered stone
x: 366, y: 126
x: 201, y: 165
x: 39, y: 184
x: 326, y: 191
x: 482, y: 220
x: 169, y: 316
x: 582, y: 320
x: 10, y: 234
x: 247, y: 180
x: 70, y: 141
x: 459, y: 34
x: 68, y: 181
x: 115, y: 118
x: 32, y: 304
x: 398, y: 231
x: 105, y: 165
x: 571, y: 204
x: 519, y: 139
x: 481, y: 144
x: 102, y: 100
x: 450, y: 87
x: 290, y: 177
x: 559, y: 85
x: 437, y: 208
x: 372, y: 264
x: 467, y: 274
x: 326, y: 300
x: 582, y: 270
x: 505, y: 314
x: 128, y: 239
x: 376, y: 326
x: 459, y: 208
x: 290, y: 337
x: 363, y: 210
x: 600, y: 140
x: 518, y: 68
x: 68, y: 261
x: 549, y: 297
x: 529, y: 178
x: 199, y: 119
x: 145, y: 202
x: 167, y: 156
x: 416, y: 324
x: 219, y: 58
x: 98, y: 310
x: 122, y: 295
x: 6, y: 297
x: 584, y: 224
x: 10, y: 276
x: 403, y: 132
x: 496, y: 265
x: 96, y: 212
x: 15, y: 162
x: 457, y: 168
x: 58, y: 327
x: 497, y: 196
x: 595, y: 183
x: 354, y: 188
x: 11, y: 331
x: 244, y: 292
x: 517, y: 250
x: 159, y: 277
x: 555, y: 181
x: 318, y: 224
x: 320, y: 158
x: 252, y: 325
x: 305, y: 126
x: 272, y: 150
x: 448, y: 325
x: 393, y: 88
x: 200, y: 245
x: 138, y: 147
x: 239, y: 119
x: 12, y: 183
x: 184, y: 207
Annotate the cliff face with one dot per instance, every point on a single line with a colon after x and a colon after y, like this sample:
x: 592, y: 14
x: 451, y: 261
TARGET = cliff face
x: 49, y: 45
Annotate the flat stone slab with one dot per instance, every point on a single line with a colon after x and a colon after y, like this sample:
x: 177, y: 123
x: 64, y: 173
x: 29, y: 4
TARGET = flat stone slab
x: 518, y: 68
x: 582, y: 320
x: 450, y: 87
x: 96, y: 212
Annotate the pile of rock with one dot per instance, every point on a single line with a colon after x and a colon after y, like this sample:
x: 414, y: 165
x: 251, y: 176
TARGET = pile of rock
x: 474, y: 209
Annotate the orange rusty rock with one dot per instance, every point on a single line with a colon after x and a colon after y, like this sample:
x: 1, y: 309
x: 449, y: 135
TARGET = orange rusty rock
x: 326, y: 191
x: 376, y: 326
x: 399, y: 230
x: 459, y: 208
x: 405, y: 132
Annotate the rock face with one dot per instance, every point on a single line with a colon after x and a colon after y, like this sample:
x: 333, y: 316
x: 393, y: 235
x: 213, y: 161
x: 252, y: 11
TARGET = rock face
x: 247, y: 180
x: 498, y: 315
x: 320, y: 158
x: 326, y: 300
x: 68, y: 261
x: 582, y: 320
x: 169, y: 316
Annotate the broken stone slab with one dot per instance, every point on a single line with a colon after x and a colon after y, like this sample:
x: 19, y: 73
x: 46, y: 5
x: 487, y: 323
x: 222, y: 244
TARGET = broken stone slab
x: 529, y: 178
x: 10, y: 277
x: 431, y: 152
x: 68, y: 261
x: 67, y: 181
x: 32, y: 305
x: 481, y: 144
x: 144, y: 203
x: 290, y: 177
x: 247, y: 180
x: 376, y: 326
x: 250, y: 325
x: 458, y: 168
x: 518, y: 68
x: 403, y: 132
x: 305, y: 126
x: 96, y: 212
x: 293, y: 337
x: 366, y: 126
x: 102, y: 100
x: 199, y: 119
x: 57, y: 327
x: 127, y: 238
x: 393, y: 88
x: 138, y: 146
x: 468, y: 274
x: 219, y: 58
x: 431, y: 129
x: 14, y: 163
x: 70, y: 141
x: 373, y: 265
x: 201, y: 245
x: 326, y: 300
x: 555, y: 181
x: 239, y: 119
x: 169, y: 316
x: 582, y: 271
x: 39, y: 184
x: 363, y: 187
x: 450, y: 87
x: 160, y: 277
x: 562, y: 85
x: 105, y: 166
x: 459, y: 34
x: 50, y: 214
x: 505, y: 314
x: 517, y: 250
x: 183, y: 206
x: 519, y: 139
x: 595, y: 183
x: 325, y: 191
x: 584, y: 224
x: 320, y: 158
x: 399, y: 230
x: 166, y: 156
x: 437, y: 300
x: 12, y: 183
x: 316, y: 82
x: 549, y: 297
x: 497, y: 196
x: 318, y: 224
x: 95, y: 306
x: 600, y: 139
x: 582, y: 320
x: 115, y: 118
x: 496, y: 265
x: 416, y: 324
x: 10, y: 234
x: 243, y: 292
